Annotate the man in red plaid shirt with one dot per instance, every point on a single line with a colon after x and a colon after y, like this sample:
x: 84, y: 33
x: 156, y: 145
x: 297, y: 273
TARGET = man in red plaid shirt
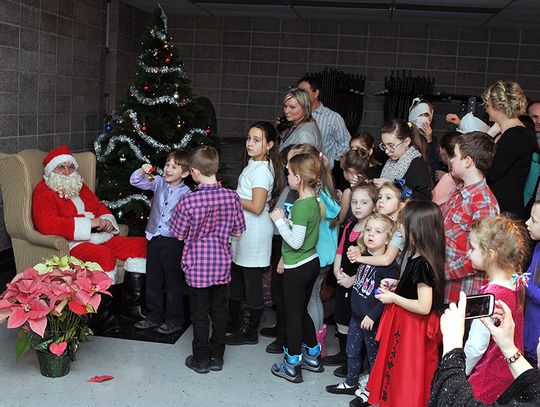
x: 206, y: 219
x: 469, y: 202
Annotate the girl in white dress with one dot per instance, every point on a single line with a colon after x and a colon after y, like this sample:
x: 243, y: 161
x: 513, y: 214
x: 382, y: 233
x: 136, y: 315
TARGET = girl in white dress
x: 251, y: 251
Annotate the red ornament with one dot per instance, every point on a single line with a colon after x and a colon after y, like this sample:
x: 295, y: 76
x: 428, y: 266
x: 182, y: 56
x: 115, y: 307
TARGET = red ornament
x: 208, y: 130
x: 143, y: 127
x: 167, y: 60
x: 146, y: 87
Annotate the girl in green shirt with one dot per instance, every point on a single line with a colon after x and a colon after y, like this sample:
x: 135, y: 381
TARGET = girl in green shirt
x: 300, y: 266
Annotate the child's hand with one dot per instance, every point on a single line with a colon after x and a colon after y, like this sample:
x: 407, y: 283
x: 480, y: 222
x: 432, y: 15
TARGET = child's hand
x: 426, y: 131
x: 353, y: 179
x: 367, y: 323
x: 146, y: 168
x: 280, y: 266
x: 277, y: 214
x: 439, y: 174
x: 339, y: 194
x: 388, y: 284
x: 346, y: 280
x: 379, y: 181
x: 353, y: 253
x: 385, y: 296
x: 453, y: 118
x: 338, y: 273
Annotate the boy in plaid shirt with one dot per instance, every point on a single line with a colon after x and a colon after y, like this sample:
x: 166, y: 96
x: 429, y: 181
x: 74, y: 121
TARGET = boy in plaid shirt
x: 470, y: 201
x: 205, y: 219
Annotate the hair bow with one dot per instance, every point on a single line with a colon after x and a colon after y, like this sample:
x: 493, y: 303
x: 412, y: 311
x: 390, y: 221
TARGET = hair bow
x: 521, y: 279
x: 321, y: 155
x: 406, y: 192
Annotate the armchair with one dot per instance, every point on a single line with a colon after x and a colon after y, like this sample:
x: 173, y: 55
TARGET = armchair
x: 19, y: 174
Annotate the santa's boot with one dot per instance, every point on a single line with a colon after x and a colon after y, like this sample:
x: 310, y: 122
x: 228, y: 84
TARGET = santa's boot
x: 104, y: 321
x: 132, y: 298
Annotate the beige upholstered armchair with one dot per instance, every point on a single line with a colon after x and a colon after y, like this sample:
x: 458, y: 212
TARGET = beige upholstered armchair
x: 19, y: 174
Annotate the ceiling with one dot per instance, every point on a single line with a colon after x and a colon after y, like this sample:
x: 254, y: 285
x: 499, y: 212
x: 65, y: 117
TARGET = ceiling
x: 474, y: 13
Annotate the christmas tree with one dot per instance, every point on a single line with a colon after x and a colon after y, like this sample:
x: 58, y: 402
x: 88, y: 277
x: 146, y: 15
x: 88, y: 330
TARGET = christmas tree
x: 157, y: 116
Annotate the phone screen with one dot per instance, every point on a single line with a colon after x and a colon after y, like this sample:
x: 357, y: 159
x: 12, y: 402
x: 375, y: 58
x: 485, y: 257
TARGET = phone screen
x: 479, y: 306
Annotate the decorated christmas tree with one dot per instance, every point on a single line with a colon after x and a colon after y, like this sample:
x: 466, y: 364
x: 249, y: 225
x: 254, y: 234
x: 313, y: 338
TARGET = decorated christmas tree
x: 157, y: 116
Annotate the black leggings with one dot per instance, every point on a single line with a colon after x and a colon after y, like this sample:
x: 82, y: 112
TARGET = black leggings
x: 297, y: 286
x: 246, y: 284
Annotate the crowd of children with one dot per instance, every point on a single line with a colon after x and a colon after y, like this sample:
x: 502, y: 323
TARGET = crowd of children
x: 401, y: 258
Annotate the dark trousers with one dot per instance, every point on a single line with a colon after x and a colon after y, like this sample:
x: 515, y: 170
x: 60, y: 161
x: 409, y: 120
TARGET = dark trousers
x: 297, y: 286
x: 356, y: 338
x: 246, y: 284
x: 276, y: 288
x: 165, y: 280
x: 208, y: 305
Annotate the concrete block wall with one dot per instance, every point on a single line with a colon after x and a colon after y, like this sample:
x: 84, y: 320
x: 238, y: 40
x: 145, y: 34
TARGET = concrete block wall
x: 51, y: 75
x: 245, y: 65
x: 54, y: 77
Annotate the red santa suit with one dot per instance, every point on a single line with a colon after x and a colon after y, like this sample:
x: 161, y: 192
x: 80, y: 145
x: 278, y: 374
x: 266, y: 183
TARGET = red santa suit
x: 71, y: 218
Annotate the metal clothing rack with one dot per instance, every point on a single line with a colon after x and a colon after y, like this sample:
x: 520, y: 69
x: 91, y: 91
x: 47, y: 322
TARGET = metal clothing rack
x: 343, y: 93
x: 400, y: 89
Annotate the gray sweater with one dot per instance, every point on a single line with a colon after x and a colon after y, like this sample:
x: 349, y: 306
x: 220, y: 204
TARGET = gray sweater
x: 305, y: 133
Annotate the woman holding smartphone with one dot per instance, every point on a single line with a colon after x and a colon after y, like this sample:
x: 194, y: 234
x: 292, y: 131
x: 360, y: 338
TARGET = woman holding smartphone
x: 450, y: 386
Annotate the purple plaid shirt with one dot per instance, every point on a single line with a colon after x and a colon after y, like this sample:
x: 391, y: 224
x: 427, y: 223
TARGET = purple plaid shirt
x: 205, y: 219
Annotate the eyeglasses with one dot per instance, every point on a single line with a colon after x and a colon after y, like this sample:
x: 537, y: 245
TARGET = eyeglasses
x: 389, y: 148
x: 69, y: 168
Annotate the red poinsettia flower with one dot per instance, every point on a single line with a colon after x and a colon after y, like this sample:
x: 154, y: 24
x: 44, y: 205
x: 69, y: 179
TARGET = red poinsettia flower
x: 34, y: 312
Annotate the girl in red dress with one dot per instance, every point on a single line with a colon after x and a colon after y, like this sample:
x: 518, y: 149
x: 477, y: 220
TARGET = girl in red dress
x: 499, y: 245
x: 409, y: 333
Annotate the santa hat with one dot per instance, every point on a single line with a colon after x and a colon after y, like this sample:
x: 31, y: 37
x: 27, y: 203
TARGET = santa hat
x: 419, y: 108
x: 56, y: 157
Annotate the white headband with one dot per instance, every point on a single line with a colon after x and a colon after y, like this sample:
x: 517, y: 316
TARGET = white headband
x: 419, y: 109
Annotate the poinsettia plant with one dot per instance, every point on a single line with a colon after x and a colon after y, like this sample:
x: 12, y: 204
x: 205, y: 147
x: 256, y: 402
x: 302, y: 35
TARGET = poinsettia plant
x: 50, y: 304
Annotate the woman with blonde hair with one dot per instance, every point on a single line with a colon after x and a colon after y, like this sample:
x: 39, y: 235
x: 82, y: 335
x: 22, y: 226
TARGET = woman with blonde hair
x: 302, y: 128
x: 504, y: 102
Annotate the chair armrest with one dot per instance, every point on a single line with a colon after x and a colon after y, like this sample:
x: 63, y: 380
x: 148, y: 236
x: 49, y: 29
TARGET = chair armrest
x: 58, y: 242
x: 52, y: 241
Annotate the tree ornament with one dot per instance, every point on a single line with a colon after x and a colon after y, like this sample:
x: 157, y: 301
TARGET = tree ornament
x: 146, y: 87
x: 122, y: 158
x: 208, y: 130
x: 167, y: 60
x: 119, y: 214
x: 176, y: 95
x: 108, y: 127
x: 143, y: 127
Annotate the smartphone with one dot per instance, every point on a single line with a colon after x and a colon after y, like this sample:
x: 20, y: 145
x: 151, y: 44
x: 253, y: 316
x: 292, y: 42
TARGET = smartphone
x: 479, y: 306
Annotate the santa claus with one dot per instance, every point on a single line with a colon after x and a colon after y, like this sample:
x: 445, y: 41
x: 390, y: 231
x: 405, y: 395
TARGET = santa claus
x: 63, y: 205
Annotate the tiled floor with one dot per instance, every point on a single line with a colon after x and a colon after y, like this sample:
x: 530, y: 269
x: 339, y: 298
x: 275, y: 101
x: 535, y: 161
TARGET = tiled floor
x: 154, y: 375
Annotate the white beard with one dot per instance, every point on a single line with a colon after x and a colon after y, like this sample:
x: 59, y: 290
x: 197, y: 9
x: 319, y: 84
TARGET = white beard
x: 67, y: 186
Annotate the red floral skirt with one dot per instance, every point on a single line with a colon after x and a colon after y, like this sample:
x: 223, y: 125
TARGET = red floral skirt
x: 406, y: 360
